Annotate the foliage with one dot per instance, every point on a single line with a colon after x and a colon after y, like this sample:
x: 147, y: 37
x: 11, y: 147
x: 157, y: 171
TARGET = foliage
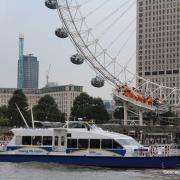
x: 47, y: 110
x: 3, y: 111
x: 81, y: 105
x: 4, y: 121
x: 167, y: 117
x: 85, y: 106
x: 20, y: 99
x: 168, y: 114
x: 98, y: 111
x: 150, y: 118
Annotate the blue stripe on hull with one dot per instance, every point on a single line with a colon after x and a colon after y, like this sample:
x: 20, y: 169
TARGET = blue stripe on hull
x: 12, y: 148
x: 118, y: 162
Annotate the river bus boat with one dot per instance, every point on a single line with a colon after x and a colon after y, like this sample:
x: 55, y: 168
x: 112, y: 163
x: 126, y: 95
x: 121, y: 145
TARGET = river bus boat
x: 83, y: 143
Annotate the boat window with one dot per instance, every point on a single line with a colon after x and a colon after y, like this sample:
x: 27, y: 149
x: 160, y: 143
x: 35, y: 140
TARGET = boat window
x: 62, y: 140
x: 76, y: 125
x: 128, y: 142
x: 36, y: 140
x: 18, y: 140
x: 56, y: 141
x: 116, y: 145
x: 106, y: 144
x: 26, y: 140
x: 72, y: 143
x: 95, y: 143
x: 68, y: 134
x: 83, y: 143
x: 47, y: 140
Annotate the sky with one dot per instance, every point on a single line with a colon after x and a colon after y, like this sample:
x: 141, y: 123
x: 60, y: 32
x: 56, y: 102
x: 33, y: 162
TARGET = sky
x: 38, y: 23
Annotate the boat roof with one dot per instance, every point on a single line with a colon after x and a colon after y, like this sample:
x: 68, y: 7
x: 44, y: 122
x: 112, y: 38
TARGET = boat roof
x: 79, y: 133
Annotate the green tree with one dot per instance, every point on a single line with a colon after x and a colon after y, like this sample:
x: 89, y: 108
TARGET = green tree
x: 4, y: 121
x: 47, y: 110
x: 3, y: 111
x: 167, y: 117
x: 85, y: 106
x: 98, y: 111
x: 20, y: 99
x: 81, y: 106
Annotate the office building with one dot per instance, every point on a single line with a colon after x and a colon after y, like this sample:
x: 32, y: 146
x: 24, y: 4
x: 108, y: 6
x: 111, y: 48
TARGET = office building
x: 30, y: 71
x: 63, y: 96
x: 158, y: 43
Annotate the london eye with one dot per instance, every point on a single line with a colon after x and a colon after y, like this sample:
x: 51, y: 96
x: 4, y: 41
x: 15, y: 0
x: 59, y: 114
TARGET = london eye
x: 104, y: 36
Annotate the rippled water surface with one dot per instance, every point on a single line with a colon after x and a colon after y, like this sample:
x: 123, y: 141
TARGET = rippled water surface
x: 42, y: 171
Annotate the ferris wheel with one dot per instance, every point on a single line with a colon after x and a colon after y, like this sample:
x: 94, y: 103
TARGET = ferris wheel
x: 104, y: 35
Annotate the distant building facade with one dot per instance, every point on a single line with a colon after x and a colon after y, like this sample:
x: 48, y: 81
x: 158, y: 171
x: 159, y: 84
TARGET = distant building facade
x: 109, y: 105
x: 63, y: 96
x: 158, y: 43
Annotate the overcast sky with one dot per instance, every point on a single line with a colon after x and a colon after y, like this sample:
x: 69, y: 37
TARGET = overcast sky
x: 38, y: 23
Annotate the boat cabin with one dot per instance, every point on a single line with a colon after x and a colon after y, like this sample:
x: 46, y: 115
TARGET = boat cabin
x: 74, y: 137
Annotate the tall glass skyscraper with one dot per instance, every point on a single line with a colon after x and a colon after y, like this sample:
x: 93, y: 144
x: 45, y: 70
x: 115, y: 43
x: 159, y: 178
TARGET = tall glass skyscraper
x: 28, y: 68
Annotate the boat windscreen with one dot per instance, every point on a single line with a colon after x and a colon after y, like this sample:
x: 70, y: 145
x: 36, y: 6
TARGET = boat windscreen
x: 128, y: 142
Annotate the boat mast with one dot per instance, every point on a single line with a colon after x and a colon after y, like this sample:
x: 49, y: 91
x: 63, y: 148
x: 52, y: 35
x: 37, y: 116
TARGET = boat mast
x: 22, y: 116
x: 32, y: 117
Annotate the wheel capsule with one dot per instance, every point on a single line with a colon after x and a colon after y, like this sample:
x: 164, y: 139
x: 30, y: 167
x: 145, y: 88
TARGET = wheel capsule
x: 77, y: 59
x: 61, y: 33
x: 97, y: 82
x: 51, y: 4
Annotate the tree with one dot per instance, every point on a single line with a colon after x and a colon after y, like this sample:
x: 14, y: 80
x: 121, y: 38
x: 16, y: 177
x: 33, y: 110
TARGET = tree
x: 47, y: 110
x: 81, y: 105
x: 3, y: 111
x: 85, y: 106
x: 98, y: 111
x: 14, y: 116
x: 4, y: 121
x: 166, y: 117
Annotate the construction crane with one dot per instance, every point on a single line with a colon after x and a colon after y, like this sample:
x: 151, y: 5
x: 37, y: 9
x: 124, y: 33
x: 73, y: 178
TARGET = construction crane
x: 47, y: 75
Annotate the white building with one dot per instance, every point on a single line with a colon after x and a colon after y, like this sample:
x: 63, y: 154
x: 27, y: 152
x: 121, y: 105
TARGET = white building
x: 158, y: 43
x: 63, y: 96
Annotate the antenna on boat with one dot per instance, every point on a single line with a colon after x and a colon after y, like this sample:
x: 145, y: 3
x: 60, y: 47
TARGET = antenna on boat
x: 22, y: 116
x: 32, y: 117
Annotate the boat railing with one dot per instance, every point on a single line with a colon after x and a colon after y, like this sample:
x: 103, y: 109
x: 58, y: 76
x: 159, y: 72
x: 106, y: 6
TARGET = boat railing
x: 158, y: 150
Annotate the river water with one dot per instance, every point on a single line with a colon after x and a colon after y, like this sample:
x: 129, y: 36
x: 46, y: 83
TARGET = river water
x: 42, y: 171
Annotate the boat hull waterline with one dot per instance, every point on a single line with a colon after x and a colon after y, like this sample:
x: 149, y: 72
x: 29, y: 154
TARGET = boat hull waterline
x: 116, y: 162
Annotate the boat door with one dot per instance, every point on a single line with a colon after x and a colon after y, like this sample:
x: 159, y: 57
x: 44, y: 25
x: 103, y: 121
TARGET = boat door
x: 60, y: 140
